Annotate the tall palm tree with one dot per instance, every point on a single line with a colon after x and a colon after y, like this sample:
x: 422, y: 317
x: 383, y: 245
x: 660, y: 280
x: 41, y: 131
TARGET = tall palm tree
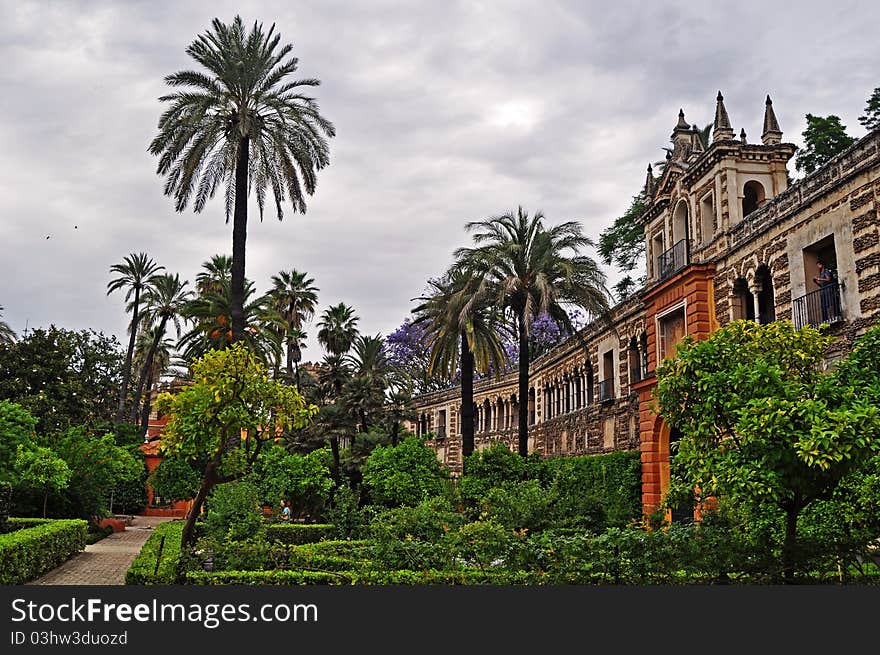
x: 337, y: 329
x: 365, y: 392
x: 463, y: 330
x: 531, y: 269
x: 165, y: 300
x: 136, y: 273
x: 215, y: 273
x: 210, y: 314
x: 295, y: 297
x: 161, y: 362
x: 7, y: 336
x: 244, y: 123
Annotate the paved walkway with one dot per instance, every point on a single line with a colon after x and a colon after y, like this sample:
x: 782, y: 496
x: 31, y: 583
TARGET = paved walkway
x: 106, y: 561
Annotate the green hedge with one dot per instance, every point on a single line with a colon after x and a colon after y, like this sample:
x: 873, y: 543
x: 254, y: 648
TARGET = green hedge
x: 290, y: 578
x: 157, y: 561
x: 37, y: 546
x: 615, y: 480
x: 300, y: 533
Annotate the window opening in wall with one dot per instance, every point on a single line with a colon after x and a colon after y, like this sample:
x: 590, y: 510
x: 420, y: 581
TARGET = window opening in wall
x: 707, y: 219
x: 605, y: 388
x: 670, y: 330
x: 753, y: 197
x: 441, y: 424
x: 822, y: 301
x: 743, y: 301
x: 766, y: 301
x: 589, y: 383
x: 531, y: 406
x: 634, y: 360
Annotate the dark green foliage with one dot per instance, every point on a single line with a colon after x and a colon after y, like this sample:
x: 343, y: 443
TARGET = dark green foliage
x: 95, y: 533
x: 303, y: 480
x: 175, y: 479
x: 522, y: 505
x: 404, y: 474
x: 824, y: 138
x: 413, y: 537
x: 300, y: 533
x: 130, y: 494
x: 494, y: 466
x: 5, y: 503
x: 63, y: 377
x: 16, y: 429
x: 234, y: 512
x: 349, y: 520
x: 623, y: 245
x: 871, y: 118
x: 613, y: 481
x: 158, y: 560
x: 31, y: 551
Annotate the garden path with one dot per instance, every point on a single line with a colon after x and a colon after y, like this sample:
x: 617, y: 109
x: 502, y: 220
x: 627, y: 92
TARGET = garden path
x: 106, y: 561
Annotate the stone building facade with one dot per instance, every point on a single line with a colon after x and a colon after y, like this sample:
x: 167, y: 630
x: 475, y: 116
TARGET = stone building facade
x: 727, y: 237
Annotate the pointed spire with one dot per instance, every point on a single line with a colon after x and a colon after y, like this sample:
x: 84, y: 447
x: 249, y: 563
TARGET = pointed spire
x: 696, y: 139
x: 742, y: 135
x: 649, y: 183
x: 772, y: 134
x: 721, y: 129
x: 682, y: 123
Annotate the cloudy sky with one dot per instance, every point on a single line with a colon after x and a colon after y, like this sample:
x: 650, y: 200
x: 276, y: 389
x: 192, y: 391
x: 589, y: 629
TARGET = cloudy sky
x: 445, y: 112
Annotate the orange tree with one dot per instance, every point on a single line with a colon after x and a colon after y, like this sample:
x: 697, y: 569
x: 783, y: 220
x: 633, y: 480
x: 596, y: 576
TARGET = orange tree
x: 763, y: 426
x: 226, y: 416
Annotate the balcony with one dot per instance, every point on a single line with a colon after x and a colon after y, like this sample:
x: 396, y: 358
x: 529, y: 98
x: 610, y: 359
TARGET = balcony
x: 820, y: 307
x: 673, y: 260
x: 605, y: 391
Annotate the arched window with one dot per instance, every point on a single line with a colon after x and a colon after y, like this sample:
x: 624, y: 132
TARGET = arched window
x: 532, y: 406
x: 766, y: 301
x: 590, y: 384
x: 643, y: 346
x: 753, y: 196
x: 680, y: 222
x: 742, y: 301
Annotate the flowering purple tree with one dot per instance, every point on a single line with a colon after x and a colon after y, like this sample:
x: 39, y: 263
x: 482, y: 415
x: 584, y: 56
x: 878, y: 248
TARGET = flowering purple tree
x: 408, y: 351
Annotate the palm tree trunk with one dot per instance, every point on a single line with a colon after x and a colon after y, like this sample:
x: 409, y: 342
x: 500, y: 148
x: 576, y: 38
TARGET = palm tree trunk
x: 45, y: 502
x: 239, y: 236
x: 523, y: 394
x: 148, y: 367
x: 334, y: 447
x: 289, y: 360
x: 467, y: 399
x: 296, y: 375
x: 145, y: 414
x: 126, y: 367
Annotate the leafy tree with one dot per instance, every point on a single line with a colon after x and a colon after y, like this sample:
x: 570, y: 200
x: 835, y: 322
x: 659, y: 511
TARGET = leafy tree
x: 226, y: 417
x: 241, y: 122
x: 304, y: 480
x: 16, y: 431
x: 165, y: 300
x: 409, y: 354
x: 405, y: 474
x: 40, y: 469
x: 871, y: 117
x: 97, y: 465
x: 762, y: 425
x: 136, y: 273
x: 63, y: 377
x: 824, y: 138
x: 463, y: 328
x: 175, y: 479
x: 623, y: 245
x: 7, y: 335
x: 532, y: 269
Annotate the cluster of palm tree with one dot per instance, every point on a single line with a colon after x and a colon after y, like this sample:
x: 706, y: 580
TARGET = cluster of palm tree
x: 517, y: 270
x: 171, y: 325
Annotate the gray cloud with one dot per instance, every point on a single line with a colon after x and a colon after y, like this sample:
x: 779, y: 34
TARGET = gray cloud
x: 446, y: 112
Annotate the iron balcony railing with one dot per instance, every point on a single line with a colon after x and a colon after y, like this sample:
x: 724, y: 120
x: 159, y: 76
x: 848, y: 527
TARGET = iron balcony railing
x: 818, y: 307
x: 605, y: 391
x: 673, y: 260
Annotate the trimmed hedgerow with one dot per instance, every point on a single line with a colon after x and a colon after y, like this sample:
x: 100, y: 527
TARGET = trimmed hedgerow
x: 38, y: 546
x: 159, y: 556
x: 365, y: 577
x: 300, y: 533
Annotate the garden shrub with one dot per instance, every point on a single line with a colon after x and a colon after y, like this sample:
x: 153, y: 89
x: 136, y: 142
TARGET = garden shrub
x: 612, y: 481
x: 40, y: 546
x: 403, y: 475
x: 413, y: 537
x: 495, y: 466
x: 483, y: 544
x: 158, y: 560
x: 349, y: 520
x: 300, y: 533
x: 522, y: 505
x: 234, y: 512
x: 367, y: 577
